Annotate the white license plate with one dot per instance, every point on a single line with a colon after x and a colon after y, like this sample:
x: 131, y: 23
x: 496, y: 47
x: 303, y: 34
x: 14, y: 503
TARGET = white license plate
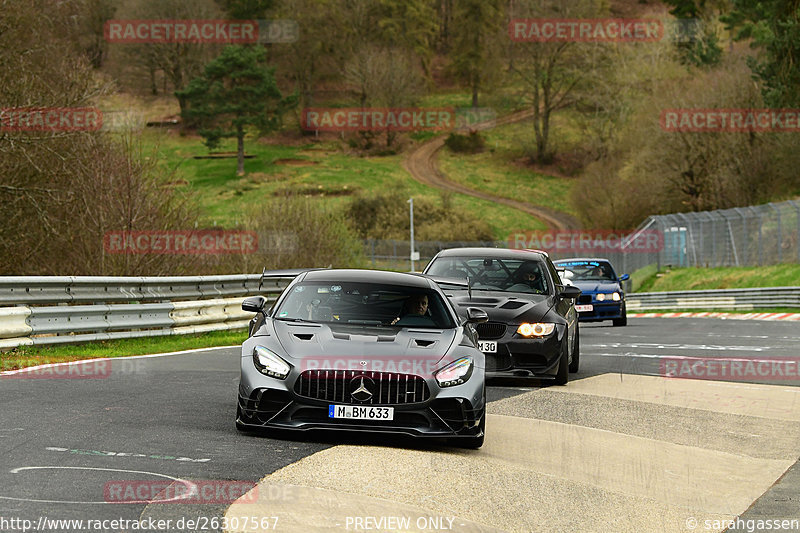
x: 359, y: 412
x: 583, y: 308
x: 487, y: 346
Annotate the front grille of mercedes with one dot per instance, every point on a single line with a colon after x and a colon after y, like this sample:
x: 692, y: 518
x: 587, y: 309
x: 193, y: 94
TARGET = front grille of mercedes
x: 387, y: 388
x: 490, y: 330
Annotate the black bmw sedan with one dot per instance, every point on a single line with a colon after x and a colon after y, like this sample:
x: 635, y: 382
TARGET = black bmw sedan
x: 532, y: 329
x: 363, y: 350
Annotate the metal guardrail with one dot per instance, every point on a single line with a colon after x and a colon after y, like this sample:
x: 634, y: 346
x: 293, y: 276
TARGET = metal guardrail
x: 36, y: 310
x: 741, y: 299
x: 105, y: 308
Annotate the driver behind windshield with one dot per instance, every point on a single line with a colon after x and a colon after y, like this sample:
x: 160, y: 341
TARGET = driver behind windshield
x: 527, y: 278
x: 415, y: 305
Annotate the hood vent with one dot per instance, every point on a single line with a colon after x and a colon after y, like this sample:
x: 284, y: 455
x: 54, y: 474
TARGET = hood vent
x: 304, y: 336
x: 340, y: 336
x: 423, y: 343
x: 512, y: 304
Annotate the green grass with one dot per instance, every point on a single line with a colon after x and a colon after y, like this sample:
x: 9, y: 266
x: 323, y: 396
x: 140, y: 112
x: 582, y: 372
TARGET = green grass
x: 682, y: 279
x: 499, y: 171
x: 730, y: 311
x: 319, y: 171
x: 25, y: 356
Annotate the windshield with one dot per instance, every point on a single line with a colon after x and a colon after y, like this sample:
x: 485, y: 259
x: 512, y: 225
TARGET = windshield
x: 364, y: 304
x: 589, y: 270
x: 493, y: 274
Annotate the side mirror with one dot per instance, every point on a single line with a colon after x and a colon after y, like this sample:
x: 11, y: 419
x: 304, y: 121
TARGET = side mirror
x: 476, y: 316
x: 570, y: 291
x: 254, y: 304
x: 624, y: 277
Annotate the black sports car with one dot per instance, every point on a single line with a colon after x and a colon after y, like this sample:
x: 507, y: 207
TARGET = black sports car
x: 533, y: 327
x: 363, y: 350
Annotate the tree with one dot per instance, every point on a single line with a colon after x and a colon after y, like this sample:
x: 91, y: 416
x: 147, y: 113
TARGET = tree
x: 245, y: 9
x: 697, y: 41
x: 236, y: 90
x: 411, y: 25
x: 551, y: 73
x: 774, y: 27
x: 475, y: 52
x: 94, y: 14
x: 180, y: 61
x: 383, y: 78
x: 60, y: 192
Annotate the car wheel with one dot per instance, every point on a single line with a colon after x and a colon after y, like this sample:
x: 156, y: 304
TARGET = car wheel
x: 576, y: 351
x: 621, y: 321
x: 562, y: 377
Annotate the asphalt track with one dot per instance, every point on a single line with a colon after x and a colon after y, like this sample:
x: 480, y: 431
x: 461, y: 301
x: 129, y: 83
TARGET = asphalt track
x: 620, y: 448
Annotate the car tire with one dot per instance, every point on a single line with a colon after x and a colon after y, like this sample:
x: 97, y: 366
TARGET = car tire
x: 576, y: 351
x: 621, y: 321
x: 562, y: 376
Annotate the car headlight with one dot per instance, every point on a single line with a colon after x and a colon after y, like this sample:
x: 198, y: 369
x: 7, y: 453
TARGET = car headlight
x: 455, y: 373
x: 539, y: 329
x: 270, y: 364
x: 616, y: 296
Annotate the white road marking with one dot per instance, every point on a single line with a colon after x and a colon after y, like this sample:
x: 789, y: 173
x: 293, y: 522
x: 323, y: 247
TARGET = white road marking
x: 193, y: 491
x: 121, y: 358
x: 666, y: 346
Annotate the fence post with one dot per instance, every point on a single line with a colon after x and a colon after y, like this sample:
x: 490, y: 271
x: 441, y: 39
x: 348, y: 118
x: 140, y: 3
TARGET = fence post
x: 780, y: 237
x: 797, y: 216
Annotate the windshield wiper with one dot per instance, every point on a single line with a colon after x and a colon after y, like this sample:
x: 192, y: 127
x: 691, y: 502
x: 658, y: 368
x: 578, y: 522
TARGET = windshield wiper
x: 292, y: 319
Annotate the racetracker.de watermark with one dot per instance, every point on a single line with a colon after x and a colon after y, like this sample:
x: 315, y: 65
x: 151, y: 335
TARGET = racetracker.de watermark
x: 50, y: 119
x: 204, y: 492
x: 421, y: 366
x: 353, y: 119
x: 93, y: 369
x: 200, y: 31
x: 181, y: 242
x: 730, y: 120
x: 587, y: 241
x: 544, y: 30
x: 713, y: 368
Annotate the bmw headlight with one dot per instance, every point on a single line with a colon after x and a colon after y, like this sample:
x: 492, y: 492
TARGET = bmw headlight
x: 270, y: 364
x: 455, y: 373
x: 539, y: 329
x: 616, y: 296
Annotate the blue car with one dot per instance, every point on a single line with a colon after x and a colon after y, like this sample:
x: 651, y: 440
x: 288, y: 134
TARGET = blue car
x: 602, y: 297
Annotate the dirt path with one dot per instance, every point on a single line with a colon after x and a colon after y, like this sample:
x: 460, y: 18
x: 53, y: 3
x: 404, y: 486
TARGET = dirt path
x: 423, y: 167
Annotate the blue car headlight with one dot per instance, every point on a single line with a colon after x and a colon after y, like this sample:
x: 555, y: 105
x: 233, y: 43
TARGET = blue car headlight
x: 270, y: 364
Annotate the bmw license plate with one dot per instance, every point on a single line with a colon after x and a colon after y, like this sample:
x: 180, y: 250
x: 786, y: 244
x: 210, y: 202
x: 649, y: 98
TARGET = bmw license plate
x: 358, y: 412
x: 487, y: 346
x: 584, y: 308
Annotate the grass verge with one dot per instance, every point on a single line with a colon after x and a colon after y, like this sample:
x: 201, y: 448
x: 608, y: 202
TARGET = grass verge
x: 25, y: 356
x: 692, y: 279
x: 729, y: 311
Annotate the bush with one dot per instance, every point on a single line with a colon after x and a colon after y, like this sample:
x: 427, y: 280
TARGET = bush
x: 465, y: 144
x: 386, y: 216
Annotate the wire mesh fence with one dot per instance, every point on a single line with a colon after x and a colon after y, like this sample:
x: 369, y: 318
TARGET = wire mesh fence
x: 742, y: 236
